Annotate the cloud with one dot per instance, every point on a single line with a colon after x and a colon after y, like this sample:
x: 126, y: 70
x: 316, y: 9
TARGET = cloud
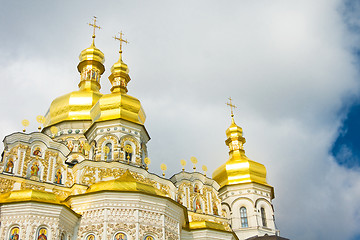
x: 288, y: 65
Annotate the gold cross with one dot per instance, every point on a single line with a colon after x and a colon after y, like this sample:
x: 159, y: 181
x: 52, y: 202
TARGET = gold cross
x: 231, y: 107
x: 94, y: 26
x: 121, y: 40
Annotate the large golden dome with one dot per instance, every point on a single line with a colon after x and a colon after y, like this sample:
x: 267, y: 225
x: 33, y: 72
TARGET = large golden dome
x: 239, y: 168
x: 77, y: 105
x: 27, y: 195
x: 125, y: 183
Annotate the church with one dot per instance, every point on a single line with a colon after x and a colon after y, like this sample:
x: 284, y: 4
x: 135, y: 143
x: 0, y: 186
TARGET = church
x: 85, y: 176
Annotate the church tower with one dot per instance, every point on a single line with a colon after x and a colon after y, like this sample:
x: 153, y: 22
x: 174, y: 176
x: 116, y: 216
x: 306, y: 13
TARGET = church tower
x: 244, y: 192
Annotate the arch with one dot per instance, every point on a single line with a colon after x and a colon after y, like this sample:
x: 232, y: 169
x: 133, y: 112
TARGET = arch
x: 10, y: 165
x: 14, y: 233
x: 235, y: 202
x: 262, y: 199
x: 35, y: 170
x: 120, y: 236
x: 63, y: 236
x: 110, y: 141
x: 37, y: 151
x: 42, y: 233
x: 237, y: 216
x: 90, y: 236
x: 149, y: 237
x: 225, y: 209
x: 243, y: 217
x: 265, y: 213
x: 58, y: 176
x: 128, y: 139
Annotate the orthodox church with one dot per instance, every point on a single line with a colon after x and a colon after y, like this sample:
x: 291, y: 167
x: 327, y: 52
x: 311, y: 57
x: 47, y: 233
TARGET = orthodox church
x: 85, y: 175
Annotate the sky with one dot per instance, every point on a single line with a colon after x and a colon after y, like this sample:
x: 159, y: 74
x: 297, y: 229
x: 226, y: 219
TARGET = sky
x: 291, y: 67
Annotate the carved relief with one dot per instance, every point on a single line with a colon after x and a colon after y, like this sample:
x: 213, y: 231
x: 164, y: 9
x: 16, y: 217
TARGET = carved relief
x: 6, y: 185
x: 88, y: 176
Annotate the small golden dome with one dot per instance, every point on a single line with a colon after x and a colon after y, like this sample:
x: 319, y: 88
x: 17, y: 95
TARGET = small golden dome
x: 92, y: 53
x: 29, y: 195
x: 118, y: 104
x: 119, y: 77
x: 125, y: 183
x: 239, y: 168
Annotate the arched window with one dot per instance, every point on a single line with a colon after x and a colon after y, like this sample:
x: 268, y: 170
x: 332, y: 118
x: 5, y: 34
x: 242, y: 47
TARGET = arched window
x: 42, y: 234
x: 263, y: 217
x: 108, y: 151
x: 14, y: 233
x: 63, y: 236
x: 90, y: 237
x: 58, y: 177
x: 9, y: 166
x: 243, y: 216
x: 149, y: 237
x: 128, y: 152
x: 120, y: 236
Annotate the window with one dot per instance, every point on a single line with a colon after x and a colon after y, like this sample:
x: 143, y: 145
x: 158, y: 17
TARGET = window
x: 42, y: 234
x: 263, y: 217
x: 120, y: 236
x: 128, y: 152
x: 108, y: 151
x: 14, y: 233
x: 243, y: 216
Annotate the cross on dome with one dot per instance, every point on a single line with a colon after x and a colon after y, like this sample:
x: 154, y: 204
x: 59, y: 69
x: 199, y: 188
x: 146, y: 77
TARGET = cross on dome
x: 94, y: 28
x: 232, y: 106
x: 121, y: 40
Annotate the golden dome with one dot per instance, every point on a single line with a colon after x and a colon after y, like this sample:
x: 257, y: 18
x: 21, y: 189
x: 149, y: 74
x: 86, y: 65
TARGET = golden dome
x: 125, y: 183
x: 118, y: 104
x: 239, y: 168
x: 77, y: 105
x: 29, y: 195
x: 72, y: 106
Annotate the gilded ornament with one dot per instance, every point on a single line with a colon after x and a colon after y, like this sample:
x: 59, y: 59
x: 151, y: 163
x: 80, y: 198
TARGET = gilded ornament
x: 204, y: 168
x: 41, y: 120
x: 183, y: 164
x: 147, y: 161
x: 163, y: 168
x: 194, y: 161
x: 25, y: 123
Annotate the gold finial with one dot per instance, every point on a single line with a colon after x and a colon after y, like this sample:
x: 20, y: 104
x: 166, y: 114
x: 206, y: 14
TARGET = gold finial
x: 94, y: 27
x: 54, y: 130
x: 25, y: 123
x: 204, y: 168
x: 231, y: 106
x: 183, y: 164
x: 147, y: 162
x: 163, y: 168
x: 40, y: 119
x: 194, y: 161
